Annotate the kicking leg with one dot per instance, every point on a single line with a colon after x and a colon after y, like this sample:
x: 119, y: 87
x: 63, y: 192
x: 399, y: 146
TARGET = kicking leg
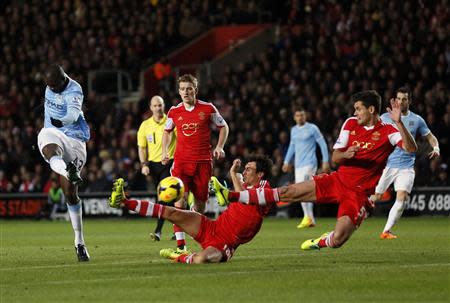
x: 298, y: 192
x: 53, y: 155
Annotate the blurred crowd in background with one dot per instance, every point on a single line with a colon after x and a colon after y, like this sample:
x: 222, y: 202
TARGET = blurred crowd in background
x: 324, y: 51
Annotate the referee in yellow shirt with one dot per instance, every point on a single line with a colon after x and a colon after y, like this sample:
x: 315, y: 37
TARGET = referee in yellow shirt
x: 149, y: 139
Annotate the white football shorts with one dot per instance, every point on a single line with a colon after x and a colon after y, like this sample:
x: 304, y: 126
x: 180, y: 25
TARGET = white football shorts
x: 403, y: 179
x: 73, y: 150
x: 304, y: 173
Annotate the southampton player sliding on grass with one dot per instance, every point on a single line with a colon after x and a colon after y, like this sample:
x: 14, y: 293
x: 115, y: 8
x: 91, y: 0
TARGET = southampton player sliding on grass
x: 363, y: 146
x: 237, y: 225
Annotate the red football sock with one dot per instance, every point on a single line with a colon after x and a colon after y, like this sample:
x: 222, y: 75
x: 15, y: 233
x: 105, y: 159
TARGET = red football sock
x: 145, y: 208
x: 322, y: 243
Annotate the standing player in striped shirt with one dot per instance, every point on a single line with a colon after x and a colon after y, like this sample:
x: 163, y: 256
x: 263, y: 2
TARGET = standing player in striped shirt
x: 400, y: 165
x: 362, y: 149
x: 193, y: 160
x: 149, y: 141
x: 304, y: 139
x: 237, y: 225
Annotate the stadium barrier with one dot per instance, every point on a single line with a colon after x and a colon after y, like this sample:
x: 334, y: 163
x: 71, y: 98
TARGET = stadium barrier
x: 423, y: 201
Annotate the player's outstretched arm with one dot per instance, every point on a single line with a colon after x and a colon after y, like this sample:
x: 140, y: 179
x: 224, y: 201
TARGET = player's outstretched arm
x: 409, y: 144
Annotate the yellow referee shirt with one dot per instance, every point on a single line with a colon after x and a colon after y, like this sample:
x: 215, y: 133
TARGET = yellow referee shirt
x: 150, y: 135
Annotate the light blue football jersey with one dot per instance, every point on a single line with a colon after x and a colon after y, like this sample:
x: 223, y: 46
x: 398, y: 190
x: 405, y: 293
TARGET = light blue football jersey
x: 416, y: 125
x: 57, y: 105
x: 303, y: 145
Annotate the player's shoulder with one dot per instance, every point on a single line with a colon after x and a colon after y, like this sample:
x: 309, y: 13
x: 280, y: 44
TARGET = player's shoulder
x: 416, y: 116
x: 206, y: 105
x: 386, y: 126
x: 147, y: 122
x: 176, y: 107
x: 264, y: 184
x: 350, y: 123
x: 74, y: 86
x: 312, y: 125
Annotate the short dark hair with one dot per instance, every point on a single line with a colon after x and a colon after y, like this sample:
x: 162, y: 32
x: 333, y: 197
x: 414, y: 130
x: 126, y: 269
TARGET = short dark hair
x: 368, y: 98
x: 263, y: 165
x: 405, y: 90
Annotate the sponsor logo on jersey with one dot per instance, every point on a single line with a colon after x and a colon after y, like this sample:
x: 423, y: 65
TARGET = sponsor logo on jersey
x: 201, y: 115
x: 188, y: 129
x: 52, y: 104
x: 363, y: 145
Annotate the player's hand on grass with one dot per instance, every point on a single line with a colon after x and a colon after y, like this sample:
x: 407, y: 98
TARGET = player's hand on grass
x: 56, y: 123
x: 218, y: 153
x: 394, y: 111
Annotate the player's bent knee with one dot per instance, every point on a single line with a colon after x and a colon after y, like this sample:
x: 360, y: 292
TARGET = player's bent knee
x: 51, y: 150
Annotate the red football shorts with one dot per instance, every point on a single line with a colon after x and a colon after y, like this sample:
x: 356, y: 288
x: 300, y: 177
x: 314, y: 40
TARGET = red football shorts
x: 352, y: 202
x: 212, y: 233
x: 195, y: 177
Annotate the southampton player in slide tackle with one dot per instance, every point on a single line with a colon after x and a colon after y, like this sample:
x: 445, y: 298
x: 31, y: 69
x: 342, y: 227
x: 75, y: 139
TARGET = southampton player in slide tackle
x: 362, y: 149
x: 237, y: 225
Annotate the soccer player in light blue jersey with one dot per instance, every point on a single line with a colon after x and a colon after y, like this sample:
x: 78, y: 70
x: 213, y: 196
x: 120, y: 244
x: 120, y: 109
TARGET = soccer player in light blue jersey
x: 62, y: 142
x: 304, y: 139
x: 400, y: 165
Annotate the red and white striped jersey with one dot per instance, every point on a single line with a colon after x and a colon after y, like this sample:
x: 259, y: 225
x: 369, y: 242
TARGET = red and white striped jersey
x: 243, y: 220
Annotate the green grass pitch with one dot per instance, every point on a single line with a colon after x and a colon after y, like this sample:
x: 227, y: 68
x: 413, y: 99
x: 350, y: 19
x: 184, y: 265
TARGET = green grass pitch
x: 38, y: 264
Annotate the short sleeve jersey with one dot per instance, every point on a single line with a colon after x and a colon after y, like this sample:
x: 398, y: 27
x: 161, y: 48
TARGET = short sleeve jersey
x: 376, y: 144
x: 193, y: 130
x: 243, y: 220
